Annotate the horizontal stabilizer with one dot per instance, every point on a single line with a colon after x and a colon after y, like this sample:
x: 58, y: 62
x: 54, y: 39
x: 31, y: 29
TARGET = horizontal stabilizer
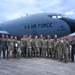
x: 4, y: 32
x: 73, y: 34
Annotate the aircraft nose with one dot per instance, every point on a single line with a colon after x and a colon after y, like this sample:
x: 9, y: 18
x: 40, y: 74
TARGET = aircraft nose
x: 71, y: 23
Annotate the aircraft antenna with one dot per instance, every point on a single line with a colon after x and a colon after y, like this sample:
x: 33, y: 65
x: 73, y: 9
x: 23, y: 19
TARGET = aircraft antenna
x: 26, y: 14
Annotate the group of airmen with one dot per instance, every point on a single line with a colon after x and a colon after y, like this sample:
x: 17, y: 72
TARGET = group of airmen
x: 28, y: 47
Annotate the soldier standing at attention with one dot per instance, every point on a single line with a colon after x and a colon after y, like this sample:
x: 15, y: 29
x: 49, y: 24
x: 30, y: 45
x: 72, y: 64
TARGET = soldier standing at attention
x: 8, y: 43
x: 72, y: 43
x: 31, y: 39
x: 19, y: 48
x: 44, y: 46
x: 23, y: 46
x: 36, y: 46
x: 66, y: 48
x: 29, y: 48
x: 55, y: 50
x: 59, y: 48
x: 25, y: 49
x: 0, y: 47
x: 11, y: 46
x: 15, y: 47
x: 40, y: 44
x: 50, y: 46
x: 68, y: 40
x: 3, y: 45
x: 33, y: 47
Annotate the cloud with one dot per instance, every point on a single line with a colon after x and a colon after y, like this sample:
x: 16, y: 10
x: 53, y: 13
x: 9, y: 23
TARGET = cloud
x: 11, y: 9
x: 15, y: 15
x: 70, y: 12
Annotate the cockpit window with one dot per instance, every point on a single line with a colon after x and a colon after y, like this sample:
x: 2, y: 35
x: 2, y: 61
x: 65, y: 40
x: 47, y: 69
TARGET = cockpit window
x: 64, y: 16
x: 54, y: 16
x: 59, y: 16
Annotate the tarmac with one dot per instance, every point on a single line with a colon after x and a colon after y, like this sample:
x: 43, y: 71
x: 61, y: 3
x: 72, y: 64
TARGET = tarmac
x: 35, y: 66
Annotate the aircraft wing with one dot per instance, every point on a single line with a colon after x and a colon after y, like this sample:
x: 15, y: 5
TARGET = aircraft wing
x: 4, y: 32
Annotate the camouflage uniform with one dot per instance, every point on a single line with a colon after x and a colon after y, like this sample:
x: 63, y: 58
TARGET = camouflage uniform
x: 15, y: 47
x: 4, y: 44
x: 24, y: 47
x: 59, y: 47
x: 40, y: 46
x: 66, y: 48
x: 33, y: 48
x: 36, y: 47
x: 29, y: 48
x: 50, y: 47
x: 55, y: 53
x: 44, y: 46
x: 0, y: 47
x: 8, y: 46
x: 19, y: 48
x: 11, y: 48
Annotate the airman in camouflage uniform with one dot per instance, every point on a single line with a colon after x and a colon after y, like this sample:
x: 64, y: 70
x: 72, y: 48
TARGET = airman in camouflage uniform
x: 8, y: 45
x: 15, y: 47
x: 30, y: 36
x: 50, y: 46
x: 33, y: 47
x: 29, y: 48
x: 66, y: 48
x: 19, y: 48
x: 4, y: 45
x: 40, y: 44
x: 44, y: 47
x: 36, y: 46
x: 59, y: 48
x: 55, y: 50
x: 11, y: 47
x: 24, y: 46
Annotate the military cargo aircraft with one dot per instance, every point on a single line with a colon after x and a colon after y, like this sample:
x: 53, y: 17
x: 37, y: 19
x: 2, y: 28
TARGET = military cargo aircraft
x: 41, y: 23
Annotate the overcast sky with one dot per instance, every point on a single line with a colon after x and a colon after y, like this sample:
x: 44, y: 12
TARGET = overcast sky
x: 11, y: 9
